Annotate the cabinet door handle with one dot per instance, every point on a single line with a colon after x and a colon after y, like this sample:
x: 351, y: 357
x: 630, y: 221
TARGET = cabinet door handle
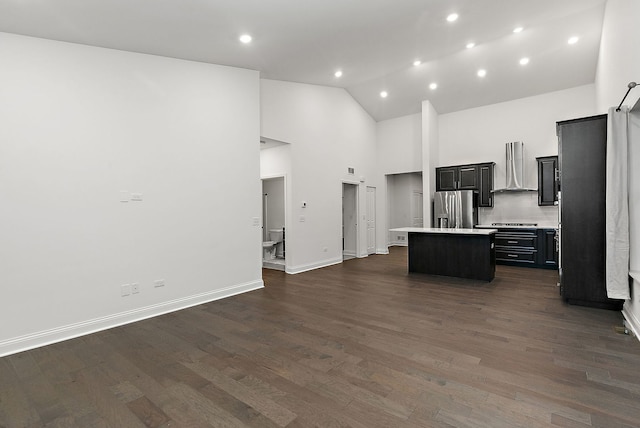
x: 512, y: 242
x: 512, y: 255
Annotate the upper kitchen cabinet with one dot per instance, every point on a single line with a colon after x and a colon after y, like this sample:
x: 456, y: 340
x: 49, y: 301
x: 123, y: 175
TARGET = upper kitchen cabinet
x: 547, y: 180
x: 447, y: 178
x: 485, y: 184
x: 468, y: 177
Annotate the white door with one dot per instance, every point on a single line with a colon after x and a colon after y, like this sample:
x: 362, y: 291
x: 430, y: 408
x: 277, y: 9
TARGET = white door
x: 417, y: 218
x: 371, y: 220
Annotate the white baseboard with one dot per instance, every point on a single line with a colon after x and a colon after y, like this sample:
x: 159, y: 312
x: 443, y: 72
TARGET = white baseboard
x: 59, y: 334
x: 631, y: 321
x: 398, y: 244
x: 312, y: 266
x: 382, y: 250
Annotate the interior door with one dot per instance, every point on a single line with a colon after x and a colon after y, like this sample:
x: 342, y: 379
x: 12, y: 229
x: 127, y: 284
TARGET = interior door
x: 371, y: 220
x: 417, y: 217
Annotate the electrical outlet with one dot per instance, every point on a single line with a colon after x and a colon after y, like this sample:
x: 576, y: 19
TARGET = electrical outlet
x: 135, y: 288
x: 158, y: 283
x: 136, y: 196
x: 125, y: 290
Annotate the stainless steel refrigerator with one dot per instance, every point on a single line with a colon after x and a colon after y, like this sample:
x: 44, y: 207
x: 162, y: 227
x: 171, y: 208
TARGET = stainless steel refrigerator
x: 455, y: 209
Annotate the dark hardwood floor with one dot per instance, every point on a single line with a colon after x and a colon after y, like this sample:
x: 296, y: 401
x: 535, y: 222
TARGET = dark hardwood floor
x: 360, y: 344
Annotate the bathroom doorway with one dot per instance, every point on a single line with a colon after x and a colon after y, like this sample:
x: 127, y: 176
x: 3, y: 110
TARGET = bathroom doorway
x: 349, y: 221
x: 273, y: 223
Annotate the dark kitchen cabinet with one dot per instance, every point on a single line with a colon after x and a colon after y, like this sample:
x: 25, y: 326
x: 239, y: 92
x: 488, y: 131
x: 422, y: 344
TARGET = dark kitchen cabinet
x: 485, y: 184
x: 468, y: 177
x: 447, y: 178
x: 530, y: 247
x: 517, y: 247
x: 549, y: 248
x: 477, y: 177
x: 547, y: 180
x: 582, y: 158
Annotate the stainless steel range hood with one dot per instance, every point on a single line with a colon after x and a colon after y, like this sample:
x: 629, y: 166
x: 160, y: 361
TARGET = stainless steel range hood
x: 515, y: 169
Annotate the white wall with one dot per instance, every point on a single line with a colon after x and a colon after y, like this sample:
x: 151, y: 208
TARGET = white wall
x: 399, y: 144
x: 399, y: 150
x: 480, y: 134
x: 430, y: 157
x: 328, y: 132
x: 619, y: 64
x: 81, y: 124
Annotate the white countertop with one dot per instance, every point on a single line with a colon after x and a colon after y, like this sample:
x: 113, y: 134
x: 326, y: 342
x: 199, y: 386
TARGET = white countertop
x: 450, y: 231
x: 538, y: 226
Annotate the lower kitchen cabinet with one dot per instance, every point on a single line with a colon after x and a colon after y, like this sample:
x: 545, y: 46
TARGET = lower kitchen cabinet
x: 529, y: 247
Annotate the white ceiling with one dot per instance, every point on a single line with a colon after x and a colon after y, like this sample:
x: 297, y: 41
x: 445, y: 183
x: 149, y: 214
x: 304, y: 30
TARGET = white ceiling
x: 374, y: 42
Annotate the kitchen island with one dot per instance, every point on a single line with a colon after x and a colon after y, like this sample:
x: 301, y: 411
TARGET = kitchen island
x: 463, y: 253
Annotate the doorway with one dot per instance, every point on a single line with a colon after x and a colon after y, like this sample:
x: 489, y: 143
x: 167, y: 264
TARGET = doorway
x: 273, y: 223
x: 349, y: 221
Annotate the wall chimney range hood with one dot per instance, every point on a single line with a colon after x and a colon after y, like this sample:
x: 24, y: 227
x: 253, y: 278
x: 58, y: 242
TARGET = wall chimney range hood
x: 515, y: 169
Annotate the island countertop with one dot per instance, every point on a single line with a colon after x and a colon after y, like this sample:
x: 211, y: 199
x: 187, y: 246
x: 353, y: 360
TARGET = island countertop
x: 448, y: 231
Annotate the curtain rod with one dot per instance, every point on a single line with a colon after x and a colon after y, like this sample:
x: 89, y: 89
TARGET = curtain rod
x: 631, y: 85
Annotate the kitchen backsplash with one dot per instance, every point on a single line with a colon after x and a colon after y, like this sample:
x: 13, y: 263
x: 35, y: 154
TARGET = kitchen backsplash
x: 518, y: 207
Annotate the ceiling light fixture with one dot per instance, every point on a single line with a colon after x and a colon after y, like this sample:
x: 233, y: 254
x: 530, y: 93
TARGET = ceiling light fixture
x: 518, y: 30
x: 470, y: 45
x: 433, y: 86
x: 338, y: 73
x: 452, y: 17
x: 482, y: 73
x: 524, y: 61
x: 245, y: 38
x: 573, y: 40
x: 417, y: 62
x: 384, y: 94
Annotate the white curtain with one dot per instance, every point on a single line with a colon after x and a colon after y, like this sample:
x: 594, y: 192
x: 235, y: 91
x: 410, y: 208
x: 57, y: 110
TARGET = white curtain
x: 617, y: 205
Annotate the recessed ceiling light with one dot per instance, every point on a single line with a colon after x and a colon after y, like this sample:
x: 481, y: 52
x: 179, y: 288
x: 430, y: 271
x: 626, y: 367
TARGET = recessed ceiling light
x: 245, y: 38
x: 433, y: 86
x: 573, y: 40
x: 482, y: 73
x: 384, y: 94
x: 452, y: 17
x: 470, y: 45
x: 524, y: 61
x: 417, y: 62
x: 338, y: 73
x: 518, y: 30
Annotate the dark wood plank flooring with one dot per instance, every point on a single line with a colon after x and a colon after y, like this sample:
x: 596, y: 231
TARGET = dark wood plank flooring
x: 361, y: 344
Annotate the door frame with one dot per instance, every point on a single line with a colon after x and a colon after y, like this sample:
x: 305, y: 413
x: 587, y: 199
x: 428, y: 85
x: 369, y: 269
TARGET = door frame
x: 356, y: 185
x: 287, y: 226
x: 375, y: 219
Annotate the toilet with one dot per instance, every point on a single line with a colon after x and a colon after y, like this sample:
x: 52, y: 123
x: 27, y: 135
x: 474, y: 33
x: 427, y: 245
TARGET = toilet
x: 277, y: 236
x: 269, y: 250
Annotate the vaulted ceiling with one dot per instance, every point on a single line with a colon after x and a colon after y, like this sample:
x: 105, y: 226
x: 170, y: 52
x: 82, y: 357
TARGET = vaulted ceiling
x: 373, y: 42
